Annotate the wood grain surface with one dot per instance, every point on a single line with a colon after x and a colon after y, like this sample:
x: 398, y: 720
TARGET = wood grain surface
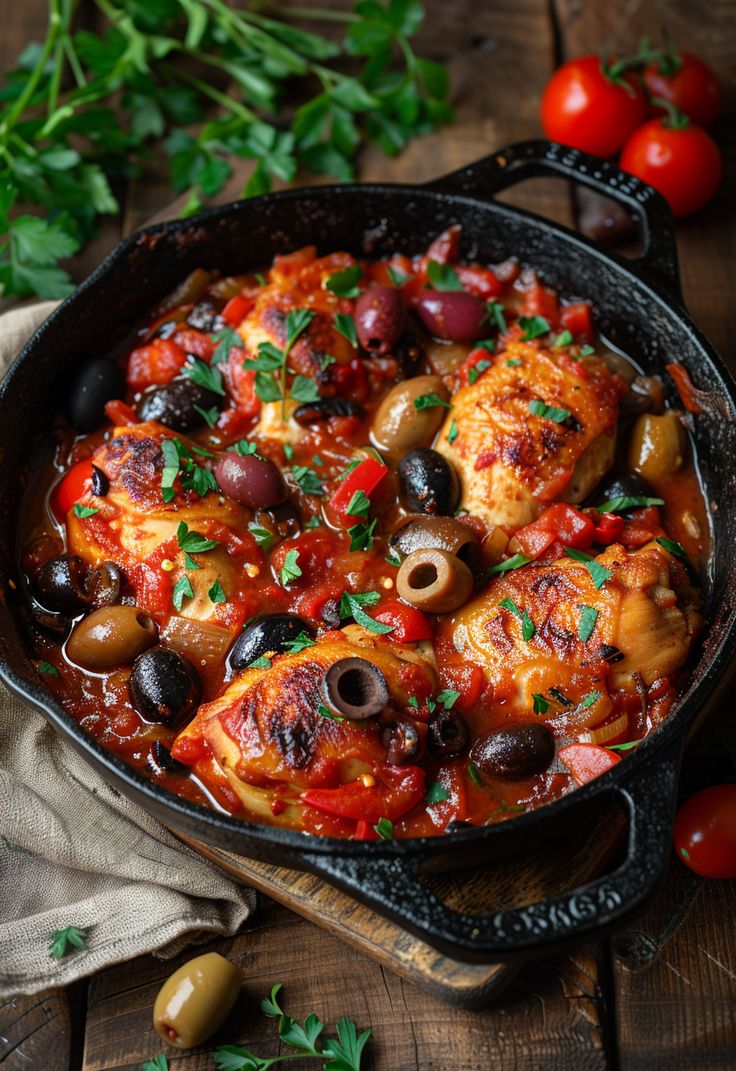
x: 661, y: 994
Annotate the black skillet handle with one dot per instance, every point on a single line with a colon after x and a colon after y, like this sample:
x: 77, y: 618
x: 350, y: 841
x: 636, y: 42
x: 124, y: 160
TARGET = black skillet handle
x: 532, y: 159
x: 390, y: 883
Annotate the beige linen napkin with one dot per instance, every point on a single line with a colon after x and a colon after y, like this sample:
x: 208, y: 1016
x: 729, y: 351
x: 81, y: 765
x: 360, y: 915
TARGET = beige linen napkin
x: 74, y: 852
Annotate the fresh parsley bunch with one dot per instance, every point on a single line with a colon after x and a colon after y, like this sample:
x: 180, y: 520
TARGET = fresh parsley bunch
x: 83, y: 111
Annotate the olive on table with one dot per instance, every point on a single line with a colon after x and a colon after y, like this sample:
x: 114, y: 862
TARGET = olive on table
x: 271, y: 632
x: 429, y: 482
x: 401, y: 740
x: 324, y: 408
x: 447, y: 734
x: 434, y: 581
x: 164, y: 686
x: 61, y: 584
x: 354, y: 688
x: 514, y: 752
x: 96, y: 383
x: 253, y: 481
x: 176, y: 405
x: 454, y: 315
x: 446, y: 533
x: 399, y: 425
x: 196, y: 999
x: 111, y: 636
x: 658, y: 445
x: 380, y: 318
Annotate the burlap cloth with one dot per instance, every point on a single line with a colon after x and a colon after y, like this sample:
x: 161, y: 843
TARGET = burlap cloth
x: 74, y: 852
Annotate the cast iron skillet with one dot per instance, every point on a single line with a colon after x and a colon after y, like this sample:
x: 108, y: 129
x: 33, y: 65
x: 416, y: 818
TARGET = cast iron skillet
x: 637, y: 305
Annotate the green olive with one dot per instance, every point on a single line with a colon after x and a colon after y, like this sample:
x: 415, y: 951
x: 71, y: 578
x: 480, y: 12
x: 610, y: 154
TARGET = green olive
x: 399, y: 425
x: 434, y: 580
x: 658, y: 445
x: 111, y: 636
x: 196, y: 999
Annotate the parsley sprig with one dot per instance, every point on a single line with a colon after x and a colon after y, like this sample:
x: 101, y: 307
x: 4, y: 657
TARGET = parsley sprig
x: 81, y: 109
x: 272, y: 359
x: 63, y: 941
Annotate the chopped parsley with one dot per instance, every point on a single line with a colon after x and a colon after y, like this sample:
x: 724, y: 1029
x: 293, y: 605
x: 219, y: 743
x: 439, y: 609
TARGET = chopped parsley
x: 300, y: 642
x: 623, y: 502
x: 48, y: 669
x: 495, y: 313
x: 204, y: 375
x: 345, y: 283
x: 474, y: 774
x: 541, y: 705
x: 533, y: 327
x: 437, y: 793
x: 511, y: 563
x: 210, y: 416
x: 260, y: 663
x: 549, y: 412
x: 216, y: 594
x: 398, y: 278
x: 263, y: 537
x: 313, y: 522
x: 586, y: 624
x: 171, y: 469
x: 384, y: 827
x: 244, y: 448
x: 194, y: 542
x: 623, y: 747
x: 84, y: 511
x: 452, y: 433
x: 589, y: 699
x: 63, y: 941
x: 443, y: 276
x: 447, y: 698
x: 288, y: 451
x: 359, y: 505
x: 271, y: 359
x: 351, y: 605
x: 513, y: 362
x: 304, y: 389
x: 290, y: 569
x: 672, y: 547
x: 587, y: 350
x: 563, y: 339
x: 323, y: 710
x: 182, y: 590
x: 429, y: 401
x: 226, y: 340
x: 527, y: 625
x: 392, y: 558
x: 308, y: 480
x: 477, y: 371
x: 598, y: 573
x: 345, y: 324
x: 362, y: 534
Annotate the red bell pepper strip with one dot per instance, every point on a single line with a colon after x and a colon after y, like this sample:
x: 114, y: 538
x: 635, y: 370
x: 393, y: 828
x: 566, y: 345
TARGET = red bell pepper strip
x: 560, y: 522
x: 365, y: 831
x: 609, y: 529
x: 366, y: 477
x: 409, y: 625
x: 70, y: 489
x: 237, y: 309
x: 120, y: 413
x: 587, y: 761
x: 578, y: 320
x: 397, y: 790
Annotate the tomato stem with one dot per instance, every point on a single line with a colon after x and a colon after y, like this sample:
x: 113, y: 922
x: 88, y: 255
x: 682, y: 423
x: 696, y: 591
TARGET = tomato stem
x: 674, y: 119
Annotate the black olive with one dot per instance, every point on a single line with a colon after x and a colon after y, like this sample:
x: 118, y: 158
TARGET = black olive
x: 205, y: 317
x: 354, y: 688
x: 100, y: 482
x: 103, y: 585
x: 401, y: 741
x: 610, y: 654
x: 161, y: 759
x: 330, y: 613
x: 455, y: 825
x: 271, y: 632
x: 61, y: 584
x: 448, y: 734
x: 175, y: 405
x: 516, y: 752
x: 409, y: 351
x: 164, y: 686
x: 96, y: 382
x: 429, y: 483
x: 622, y: 485
x: 324, y: 408
x: 167, y: 329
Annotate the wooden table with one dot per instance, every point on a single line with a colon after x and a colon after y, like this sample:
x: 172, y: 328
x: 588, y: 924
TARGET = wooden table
x: 662, y: 992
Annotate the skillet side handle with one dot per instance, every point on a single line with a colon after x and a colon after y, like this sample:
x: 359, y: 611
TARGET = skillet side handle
x: 532, y: 159
x: 391, y: 885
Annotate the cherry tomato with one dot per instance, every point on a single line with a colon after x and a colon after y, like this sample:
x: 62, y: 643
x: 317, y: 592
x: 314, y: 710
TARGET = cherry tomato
x: 583, y: 107
x: 705, y: 832
x: 682, y: 162
x: 70, y: 489
x: 156, y: 363
x: 689, y: 84
x: 587, y: 761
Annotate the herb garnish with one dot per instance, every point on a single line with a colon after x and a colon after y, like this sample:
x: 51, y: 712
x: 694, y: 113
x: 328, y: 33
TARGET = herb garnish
x: 443, y: 276
x: 541, y: 706
x: 84, y: 511
x: 48, y: 669
x: 495, y: 313
x: 586, y: 625
x: 301, y: 641
x: 216, y: 594
x: 527, y: 625
x: 204, y: 375
x: 474, y: 774
x: 226, y: 340
x: 351, y: 605
x: 384, y: 828
x: 345, y: 283
x: 272, y: 359
x: 589, y: 699
x: 623, y: 747
x: 290, y: 569
x: 308, y: 480
x: 263, y: 537
x: 429, y: 401
x: 397, y: 277
x: 623, y: 502
x: 345, y: 324
x: 549, y: 412
x: 673, y: 547
x: 63, y: 941
x: 477, y: 370
x: 452, y: 433
x: 182, y: 590
x: 533, y: 327
x: 565, y: 338
x: 361, y: 535
x: 511, y: 563
x: 260, y: 663
x: 598, y: 573
x: 437, y: 793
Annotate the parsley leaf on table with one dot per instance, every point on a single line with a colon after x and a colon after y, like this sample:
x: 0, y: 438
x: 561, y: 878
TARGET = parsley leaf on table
x: 63, y: 941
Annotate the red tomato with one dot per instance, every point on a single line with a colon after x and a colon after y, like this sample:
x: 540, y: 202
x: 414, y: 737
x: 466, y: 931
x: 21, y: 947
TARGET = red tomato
x: 683, y: 163
x: 479, y: 281
x: 70, y: 489
x: 585, y: 108
x: 156, y: 363
x: 609, y: 529
x: 120, y: 414
x: 445, y: 249
x: 366, y: 478
x: 578, y: 320
x: 541, y: 301
x: 409, y: 625
x: 237, y: 309
x: 705, y: 832
x: 587, y: 761
x: 559, y: 522
x: 692, y: 87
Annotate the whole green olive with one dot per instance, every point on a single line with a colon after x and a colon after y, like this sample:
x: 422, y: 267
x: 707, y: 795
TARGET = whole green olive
x: 434, y: 581
x: 658, y: 445
x: 400, y: 424
x: 111, y: 636
x: 196, y: 999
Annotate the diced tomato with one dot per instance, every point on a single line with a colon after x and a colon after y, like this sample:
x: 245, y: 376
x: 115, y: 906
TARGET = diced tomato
x: 189, y: 749
x: 366, y: 477
x: 314, y: 600
x: 365, y: 831
x: 156, y: 363
x: 472, y: 361
x: 153, y: 590
x: 397, y: 790
x: 237, y: 309
x: 70, y: 489
x: 197, y: 342
x: 644, y: 526
x: 468, y: 679
x: 409, y: 625
x: 578, y: 320
x: 287, y: 265
x: 587, y: 761
x: 559, y: 521
x: 120, y: 414
x: 445, y: 249
x: 351, y: 380
x: 541, y: 301
x: 479, y: 280
x: 608, y: 529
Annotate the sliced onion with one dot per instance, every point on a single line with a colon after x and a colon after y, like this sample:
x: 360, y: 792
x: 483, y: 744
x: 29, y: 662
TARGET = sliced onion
x: 200, y: 641
x: 606, y: 732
